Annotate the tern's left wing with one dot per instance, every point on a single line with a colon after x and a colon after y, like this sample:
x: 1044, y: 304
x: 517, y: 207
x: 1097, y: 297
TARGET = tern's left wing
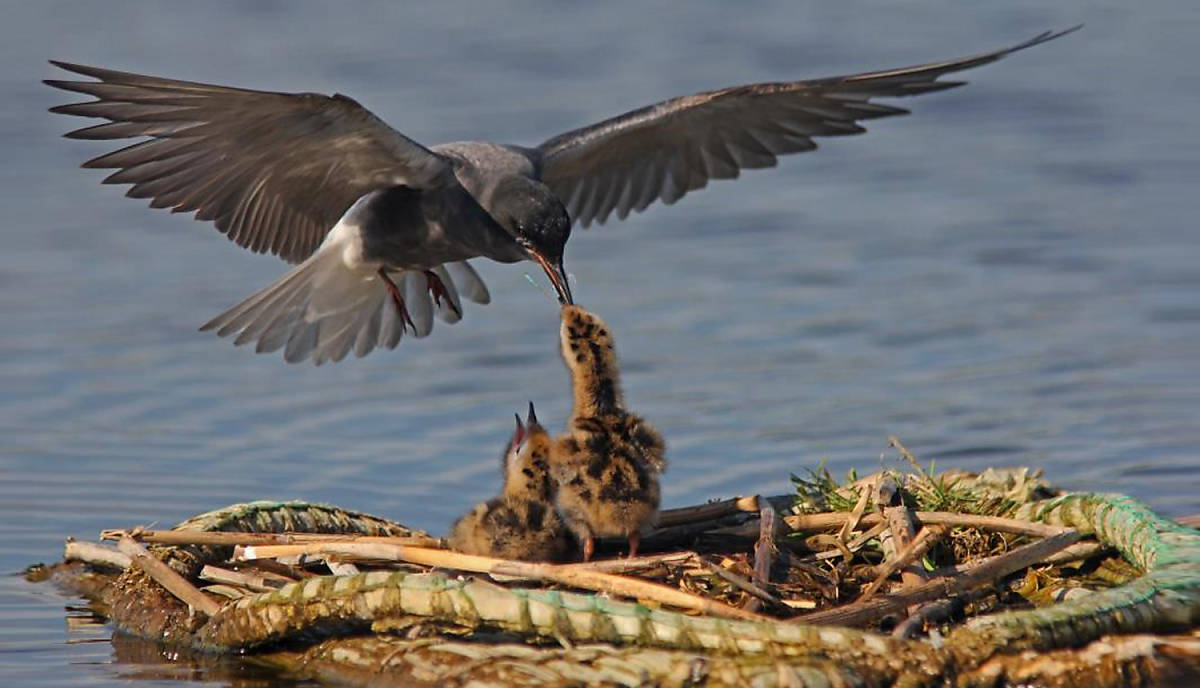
x: 665, y: 150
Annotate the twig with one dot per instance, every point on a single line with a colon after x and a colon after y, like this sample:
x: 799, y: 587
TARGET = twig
x: 166, y: 577
x: 635, y: 564
x: 997, y: 567
x: 936, y: 611
x: 840, y: 547
x: 853, y: 546
x: 903, y: 529
x: 575, y: 577
x: 254, y: 582
x: 741, y: 582
x: 851, y: 523
x: 273, y: 568
x: 829, y: 521
x: 764, y: 552
x: 683, y: 535
x: 764, y: 549
x: 95, y: 554
x: 707, y: 512
x: 1077, y: 551
x: 919, y: 545
x: 229, y: 592
x: 1080, y: 550
x: 222, y: 538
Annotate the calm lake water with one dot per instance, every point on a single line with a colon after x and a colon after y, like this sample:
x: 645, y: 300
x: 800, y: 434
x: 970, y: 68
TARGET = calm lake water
x: 1009, y: 276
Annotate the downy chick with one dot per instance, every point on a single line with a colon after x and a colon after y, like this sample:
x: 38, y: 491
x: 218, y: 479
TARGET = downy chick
x: 606, y: 466
x: 521, y: 523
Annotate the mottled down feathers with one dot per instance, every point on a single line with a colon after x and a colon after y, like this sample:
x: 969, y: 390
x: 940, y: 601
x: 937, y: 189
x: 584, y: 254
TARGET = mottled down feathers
x: 599, y: 478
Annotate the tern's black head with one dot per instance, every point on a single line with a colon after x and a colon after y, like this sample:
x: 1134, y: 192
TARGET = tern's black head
x: 540, y: 224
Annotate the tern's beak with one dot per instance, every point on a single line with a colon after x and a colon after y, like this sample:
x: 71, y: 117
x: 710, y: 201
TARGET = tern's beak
x: 558, y: 277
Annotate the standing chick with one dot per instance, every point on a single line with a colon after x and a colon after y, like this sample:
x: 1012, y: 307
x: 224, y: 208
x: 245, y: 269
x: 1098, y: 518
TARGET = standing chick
x: 521, y: 523
x: 606, y: 466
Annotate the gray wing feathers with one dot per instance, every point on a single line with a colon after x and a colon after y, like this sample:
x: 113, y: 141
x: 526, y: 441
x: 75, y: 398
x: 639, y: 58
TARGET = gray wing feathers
x: 663, y: 151
x: 274, y: 171
x: 323, y: 310
x: 469, y: 283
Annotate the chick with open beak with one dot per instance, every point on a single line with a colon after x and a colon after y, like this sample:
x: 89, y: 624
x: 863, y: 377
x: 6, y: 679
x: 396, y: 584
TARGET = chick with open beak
x: 520, y: 523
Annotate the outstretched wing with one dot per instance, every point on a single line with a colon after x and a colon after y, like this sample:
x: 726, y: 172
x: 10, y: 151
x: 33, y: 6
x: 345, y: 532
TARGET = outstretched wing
x: 665, y: 150
x: 274, y: 171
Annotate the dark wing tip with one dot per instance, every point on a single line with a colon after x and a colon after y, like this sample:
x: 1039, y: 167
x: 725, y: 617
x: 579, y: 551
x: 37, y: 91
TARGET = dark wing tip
x: 1043, y: 37
x: 85, y: 70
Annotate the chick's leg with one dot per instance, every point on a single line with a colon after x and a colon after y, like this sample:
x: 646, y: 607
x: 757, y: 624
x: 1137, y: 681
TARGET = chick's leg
x: 634, y: 538
x: 589, y: 547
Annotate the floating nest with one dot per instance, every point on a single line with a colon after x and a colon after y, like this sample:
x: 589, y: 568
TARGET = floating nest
x: 912, y: 579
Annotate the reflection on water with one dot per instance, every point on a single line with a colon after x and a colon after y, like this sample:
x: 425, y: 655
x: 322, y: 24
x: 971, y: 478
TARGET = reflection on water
x: 1006, y: 277
x: 140, y: 660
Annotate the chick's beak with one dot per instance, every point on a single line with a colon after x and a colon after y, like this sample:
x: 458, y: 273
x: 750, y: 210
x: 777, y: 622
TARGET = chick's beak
x: 519, y: 433
x: 558, y: 277
x: 531, y: 419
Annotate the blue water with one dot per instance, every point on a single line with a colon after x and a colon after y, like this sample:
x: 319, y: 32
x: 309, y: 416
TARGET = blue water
x: 1009, y: 276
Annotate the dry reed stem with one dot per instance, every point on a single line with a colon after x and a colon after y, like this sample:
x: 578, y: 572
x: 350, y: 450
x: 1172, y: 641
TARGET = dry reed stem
x: 166, y: 577
x: 95, y: 554
x: 1077, y: 551
x: 707, y: 512
x: 829, y: 521
x: 626, y: 565
x: 990, y: 570
x: 764, y: 549
x: 935, y: 611
x: 903, y: 529
x: 916, y: 548
x: 229, y: 539
x: 597, y: 581
x: 740, y: 582
x: 764, y: 552
x: 251, y: 581
x: 860, y: 508
x: 854, y: 545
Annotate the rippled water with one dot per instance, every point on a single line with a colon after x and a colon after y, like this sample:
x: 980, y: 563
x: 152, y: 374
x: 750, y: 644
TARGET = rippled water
x: 1009, y: 276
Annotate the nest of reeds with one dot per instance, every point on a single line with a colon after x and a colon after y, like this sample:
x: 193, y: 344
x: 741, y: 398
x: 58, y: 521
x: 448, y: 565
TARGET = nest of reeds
x: 912, y: 554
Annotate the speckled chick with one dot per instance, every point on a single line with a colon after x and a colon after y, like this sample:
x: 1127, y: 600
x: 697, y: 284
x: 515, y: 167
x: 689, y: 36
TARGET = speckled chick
x: 521, y: 523
x: 606, y: 466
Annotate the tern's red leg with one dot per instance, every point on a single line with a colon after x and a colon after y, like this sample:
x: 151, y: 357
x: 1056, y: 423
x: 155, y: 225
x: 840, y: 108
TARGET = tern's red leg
x: 589, y: 548
x: 405, y: 318
x: 438, y: 291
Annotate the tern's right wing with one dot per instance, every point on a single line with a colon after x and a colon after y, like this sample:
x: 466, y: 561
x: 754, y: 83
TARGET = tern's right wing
x: 274, y: 171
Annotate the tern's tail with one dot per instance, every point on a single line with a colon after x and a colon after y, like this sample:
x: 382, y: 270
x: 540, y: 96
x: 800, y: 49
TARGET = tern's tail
x: 324, y: 309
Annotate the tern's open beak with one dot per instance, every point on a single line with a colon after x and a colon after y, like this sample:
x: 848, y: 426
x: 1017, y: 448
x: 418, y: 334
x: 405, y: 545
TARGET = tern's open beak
x: 558, y: 277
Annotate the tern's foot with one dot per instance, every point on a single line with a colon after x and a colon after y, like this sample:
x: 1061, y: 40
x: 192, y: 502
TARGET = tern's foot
x: 438, y: 291
x: 406, y: 320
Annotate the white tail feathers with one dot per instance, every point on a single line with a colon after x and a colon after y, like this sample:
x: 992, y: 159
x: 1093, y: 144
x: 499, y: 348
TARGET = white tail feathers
x: 323, y: 309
